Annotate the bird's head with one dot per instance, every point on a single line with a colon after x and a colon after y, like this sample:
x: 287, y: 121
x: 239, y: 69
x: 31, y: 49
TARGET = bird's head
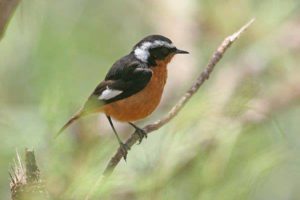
x: 155, y: 48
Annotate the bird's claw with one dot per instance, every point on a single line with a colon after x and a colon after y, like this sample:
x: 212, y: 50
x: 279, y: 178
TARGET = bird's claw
x: 124, y: 149
x: 141, y: 133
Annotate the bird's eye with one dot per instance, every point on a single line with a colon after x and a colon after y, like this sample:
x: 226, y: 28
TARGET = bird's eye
x: 165, y: 51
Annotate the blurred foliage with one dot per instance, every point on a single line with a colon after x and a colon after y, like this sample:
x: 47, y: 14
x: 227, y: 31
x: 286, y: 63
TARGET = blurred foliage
x: 55, y: 52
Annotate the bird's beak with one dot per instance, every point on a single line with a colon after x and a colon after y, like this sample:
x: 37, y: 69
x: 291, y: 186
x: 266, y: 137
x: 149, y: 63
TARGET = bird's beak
x: 178, y: 51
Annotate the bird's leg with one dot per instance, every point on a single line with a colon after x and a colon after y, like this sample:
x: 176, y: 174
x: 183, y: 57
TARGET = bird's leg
x: 141, y: 133
x: 124, y: 147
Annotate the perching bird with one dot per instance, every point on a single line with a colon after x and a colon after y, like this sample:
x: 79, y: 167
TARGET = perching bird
x: 133, y: 87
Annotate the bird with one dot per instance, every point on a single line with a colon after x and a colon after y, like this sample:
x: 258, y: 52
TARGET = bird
x: 133, y: 87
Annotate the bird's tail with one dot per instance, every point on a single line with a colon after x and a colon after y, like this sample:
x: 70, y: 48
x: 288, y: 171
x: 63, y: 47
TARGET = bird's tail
x: 69, y: 122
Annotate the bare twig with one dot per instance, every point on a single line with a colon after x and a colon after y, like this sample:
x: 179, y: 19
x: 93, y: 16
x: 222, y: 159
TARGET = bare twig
x: 216, y: 57
x: 7, y: 8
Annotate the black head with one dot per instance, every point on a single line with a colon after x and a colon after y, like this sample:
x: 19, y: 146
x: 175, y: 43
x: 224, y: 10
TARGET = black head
x: 155, y: 47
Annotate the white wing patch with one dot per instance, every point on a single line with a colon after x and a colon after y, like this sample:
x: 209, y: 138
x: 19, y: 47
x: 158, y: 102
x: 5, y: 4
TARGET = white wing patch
x: 109, y: 94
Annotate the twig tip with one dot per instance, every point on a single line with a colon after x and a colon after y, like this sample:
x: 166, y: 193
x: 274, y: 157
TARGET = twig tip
x: 237, y: 34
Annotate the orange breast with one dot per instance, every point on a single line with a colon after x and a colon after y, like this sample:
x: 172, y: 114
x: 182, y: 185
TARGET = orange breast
x: 143, y: 103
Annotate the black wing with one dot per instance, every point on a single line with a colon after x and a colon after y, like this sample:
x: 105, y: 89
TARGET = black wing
x: 126, y: 77
x: 123, y: 80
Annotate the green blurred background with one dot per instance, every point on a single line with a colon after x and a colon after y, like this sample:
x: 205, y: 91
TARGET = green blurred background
x: 238, y: 138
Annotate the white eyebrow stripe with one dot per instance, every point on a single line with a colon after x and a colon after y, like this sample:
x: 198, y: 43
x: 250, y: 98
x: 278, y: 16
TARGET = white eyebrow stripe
x: 142, y: 52
x: 109, y: 94
x: 158, y: 43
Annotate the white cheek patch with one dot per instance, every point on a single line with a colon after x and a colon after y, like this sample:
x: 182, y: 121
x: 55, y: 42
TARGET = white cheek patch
x: 142, y: 52
x: 109, y: 94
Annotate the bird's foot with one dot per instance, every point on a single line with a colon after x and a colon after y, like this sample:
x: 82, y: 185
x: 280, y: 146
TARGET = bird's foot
x: 124, y: 149
x: 141, y: 133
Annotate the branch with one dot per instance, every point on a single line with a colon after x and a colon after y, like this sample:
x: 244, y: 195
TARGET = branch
x: 7, y: 8
x: 216, y: 57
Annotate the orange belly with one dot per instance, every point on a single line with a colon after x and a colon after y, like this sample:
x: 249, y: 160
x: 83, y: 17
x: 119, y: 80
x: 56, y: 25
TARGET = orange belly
x: 143, y: 103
